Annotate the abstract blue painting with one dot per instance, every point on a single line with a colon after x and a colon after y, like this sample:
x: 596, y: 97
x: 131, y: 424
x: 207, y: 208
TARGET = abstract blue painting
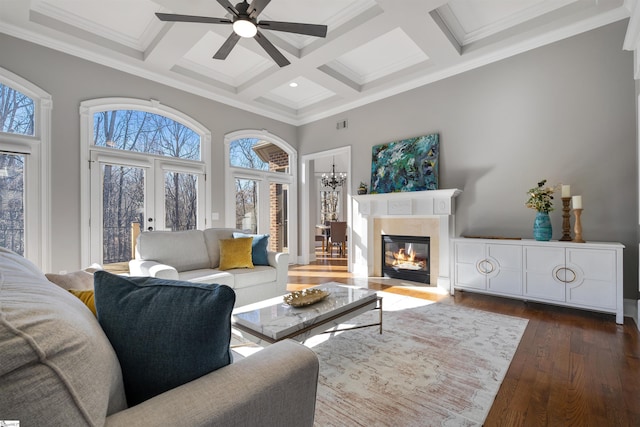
x: 406, y: 165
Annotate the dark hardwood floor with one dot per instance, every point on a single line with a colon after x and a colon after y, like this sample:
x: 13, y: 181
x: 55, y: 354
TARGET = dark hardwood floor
x: 572, y: 367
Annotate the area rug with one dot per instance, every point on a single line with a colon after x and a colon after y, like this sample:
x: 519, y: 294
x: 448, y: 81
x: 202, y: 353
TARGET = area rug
x: 436, y: 364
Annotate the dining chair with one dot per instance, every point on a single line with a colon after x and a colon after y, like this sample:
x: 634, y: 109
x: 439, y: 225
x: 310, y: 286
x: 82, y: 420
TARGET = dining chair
x: 338, y: 236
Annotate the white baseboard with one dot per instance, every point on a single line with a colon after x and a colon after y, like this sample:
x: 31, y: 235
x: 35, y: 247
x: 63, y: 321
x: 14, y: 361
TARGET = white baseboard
x: 445, y: 284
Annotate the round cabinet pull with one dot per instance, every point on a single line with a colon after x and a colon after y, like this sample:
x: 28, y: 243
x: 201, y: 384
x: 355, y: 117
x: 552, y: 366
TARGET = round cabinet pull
x: 482, y: 269
x: 575, y: 276
x: 564, y: 279
x: 492, y: 267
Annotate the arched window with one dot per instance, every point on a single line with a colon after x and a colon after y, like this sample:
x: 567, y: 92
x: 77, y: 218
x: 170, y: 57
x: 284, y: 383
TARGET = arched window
x: 145, y: 132
x: 261, y: 180
x: 25, y: 112
x: 146, y: 171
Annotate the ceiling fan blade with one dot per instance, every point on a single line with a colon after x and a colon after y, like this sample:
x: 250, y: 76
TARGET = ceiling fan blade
x: 271, y: 50
x: 171, y: 17
x: 228, y: 6
x: 226, y: 47
x: 295, y: 27
x: 256, y: 7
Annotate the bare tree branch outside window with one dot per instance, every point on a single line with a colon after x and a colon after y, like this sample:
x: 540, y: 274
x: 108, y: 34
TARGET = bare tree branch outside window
x: 242, y: 155
x: 16, y: 112
x: 12, y: 202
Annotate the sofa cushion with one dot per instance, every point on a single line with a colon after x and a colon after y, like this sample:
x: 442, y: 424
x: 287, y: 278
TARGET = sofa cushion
x: 57, y: 366
x: 209, y: 275
x: 235, y: 253
x: 244, y: 278
x: 183, y: 250
x: 258, y: 248
x: 165, y: 332
x: 212, y: 237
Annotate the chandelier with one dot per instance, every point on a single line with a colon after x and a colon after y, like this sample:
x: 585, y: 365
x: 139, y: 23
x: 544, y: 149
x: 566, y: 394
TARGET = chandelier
x: 333, y: 180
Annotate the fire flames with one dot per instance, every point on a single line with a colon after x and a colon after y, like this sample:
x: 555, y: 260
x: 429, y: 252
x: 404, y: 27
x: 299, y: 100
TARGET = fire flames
x: 407, y: 259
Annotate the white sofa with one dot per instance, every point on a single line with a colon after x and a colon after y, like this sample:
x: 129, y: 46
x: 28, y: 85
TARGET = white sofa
x: 194, y: 256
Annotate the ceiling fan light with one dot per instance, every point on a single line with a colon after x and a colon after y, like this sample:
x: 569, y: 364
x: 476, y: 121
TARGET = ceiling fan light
x: 245, y: 28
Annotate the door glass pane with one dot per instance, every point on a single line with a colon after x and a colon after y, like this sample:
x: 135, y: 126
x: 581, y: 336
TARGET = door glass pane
x: 122, y: 205
x: 279, y: 217
x: 180, y: 201
x: 12, y: 202
x: 247, y: 205
x: 329, y: 206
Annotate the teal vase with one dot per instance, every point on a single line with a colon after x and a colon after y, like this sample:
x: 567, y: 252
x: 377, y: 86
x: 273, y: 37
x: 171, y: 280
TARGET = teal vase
x: 542, y: 227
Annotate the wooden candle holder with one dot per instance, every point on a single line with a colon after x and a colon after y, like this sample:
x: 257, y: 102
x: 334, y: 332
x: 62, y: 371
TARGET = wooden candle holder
x: 578, y: 226
x: 566, y: 221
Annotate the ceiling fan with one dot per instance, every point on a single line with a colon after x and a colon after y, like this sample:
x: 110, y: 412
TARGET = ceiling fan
x: 245, y: 24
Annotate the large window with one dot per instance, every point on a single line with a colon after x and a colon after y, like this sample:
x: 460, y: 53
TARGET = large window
x: 146, y: 173
x: 24, y: 145
x: 12, y: 202
x: 261, y: 182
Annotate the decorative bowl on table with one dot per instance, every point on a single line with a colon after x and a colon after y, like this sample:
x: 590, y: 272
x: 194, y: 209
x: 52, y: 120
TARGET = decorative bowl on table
x: 305, y: 297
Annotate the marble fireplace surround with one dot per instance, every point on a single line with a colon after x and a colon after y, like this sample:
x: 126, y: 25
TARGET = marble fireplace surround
x: 419, y: 213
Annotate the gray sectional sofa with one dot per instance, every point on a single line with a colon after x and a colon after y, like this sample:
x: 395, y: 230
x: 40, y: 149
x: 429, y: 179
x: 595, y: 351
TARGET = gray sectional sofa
x: 194, y: 256
x: 58, y: 368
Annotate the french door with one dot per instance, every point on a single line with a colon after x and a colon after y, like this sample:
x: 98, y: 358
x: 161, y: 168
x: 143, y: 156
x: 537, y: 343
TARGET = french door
x: 155, y: 193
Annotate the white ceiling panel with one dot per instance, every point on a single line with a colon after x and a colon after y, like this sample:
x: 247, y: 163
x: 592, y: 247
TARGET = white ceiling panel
x: 473, y: 20
x: 373, y: 49
x: 105, y: 18
x: 332, y: 13
x: 241, y: 65
x: 304, y: 93
x: 384, y: 55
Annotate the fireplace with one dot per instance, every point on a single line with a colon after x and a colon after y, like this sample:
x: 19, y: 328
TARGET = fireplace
x: 406, y: 257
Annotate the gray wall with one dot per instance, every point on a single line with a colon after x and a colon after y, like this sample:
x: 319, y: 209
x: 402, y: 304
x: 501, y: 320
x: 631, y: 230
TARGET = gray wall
x: 565, y: 112
x: 70, y: 81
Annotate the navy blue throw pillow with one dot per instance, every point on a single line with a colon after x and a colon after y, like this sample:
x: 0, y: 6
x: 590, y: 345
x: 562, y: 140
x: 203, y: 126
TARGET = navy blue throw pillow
x: 164, y: 332
x: 258, y: 247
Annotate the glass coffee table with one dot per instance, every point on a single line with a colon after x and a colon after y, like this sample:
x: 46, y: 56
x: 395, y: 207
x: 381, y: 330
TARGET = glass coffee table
x: 272, y: 320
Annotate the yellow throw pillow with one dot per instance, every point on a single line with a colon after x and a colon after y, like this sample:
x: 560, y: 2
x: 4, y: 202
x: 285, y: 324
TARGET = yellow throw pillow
x: 87, y: 298
x: 235, y: 253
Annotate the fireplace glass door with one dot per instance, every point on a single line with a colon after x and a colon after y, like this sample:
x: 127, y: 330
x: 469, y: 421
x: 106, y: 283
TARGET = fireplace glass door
x: 406, y: 257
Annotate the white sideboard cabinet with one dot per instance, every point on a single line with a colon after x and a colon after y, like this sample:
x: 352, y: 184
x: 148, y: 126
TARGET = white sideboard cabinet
x: 580, y: 275
x: 496, y: 268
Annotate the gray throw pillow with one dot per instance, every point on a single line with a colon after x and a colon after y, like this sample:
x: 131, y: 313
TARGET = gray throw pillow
x: 165, y: 332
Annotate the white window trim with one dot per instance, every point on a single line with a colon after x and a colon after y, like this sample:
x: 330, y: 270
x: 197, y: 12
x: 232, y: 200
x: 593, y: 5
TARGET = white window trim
x: 291, y: 179
x: 37, y: 171
x: 87, y: 110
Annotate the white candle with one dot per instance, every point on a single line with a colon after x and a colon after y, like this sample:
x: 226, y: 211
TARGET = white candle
x: 576, y: 201
x: 566, y: 191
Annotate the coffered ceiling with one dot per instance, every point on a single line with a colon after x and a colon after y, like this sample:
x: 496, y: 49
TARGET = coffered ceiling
x: 373, y: 49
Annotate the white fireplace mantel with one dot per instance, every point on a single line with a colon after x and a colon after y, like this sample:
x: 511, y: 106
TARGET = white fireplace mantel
x: 416, y: 204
